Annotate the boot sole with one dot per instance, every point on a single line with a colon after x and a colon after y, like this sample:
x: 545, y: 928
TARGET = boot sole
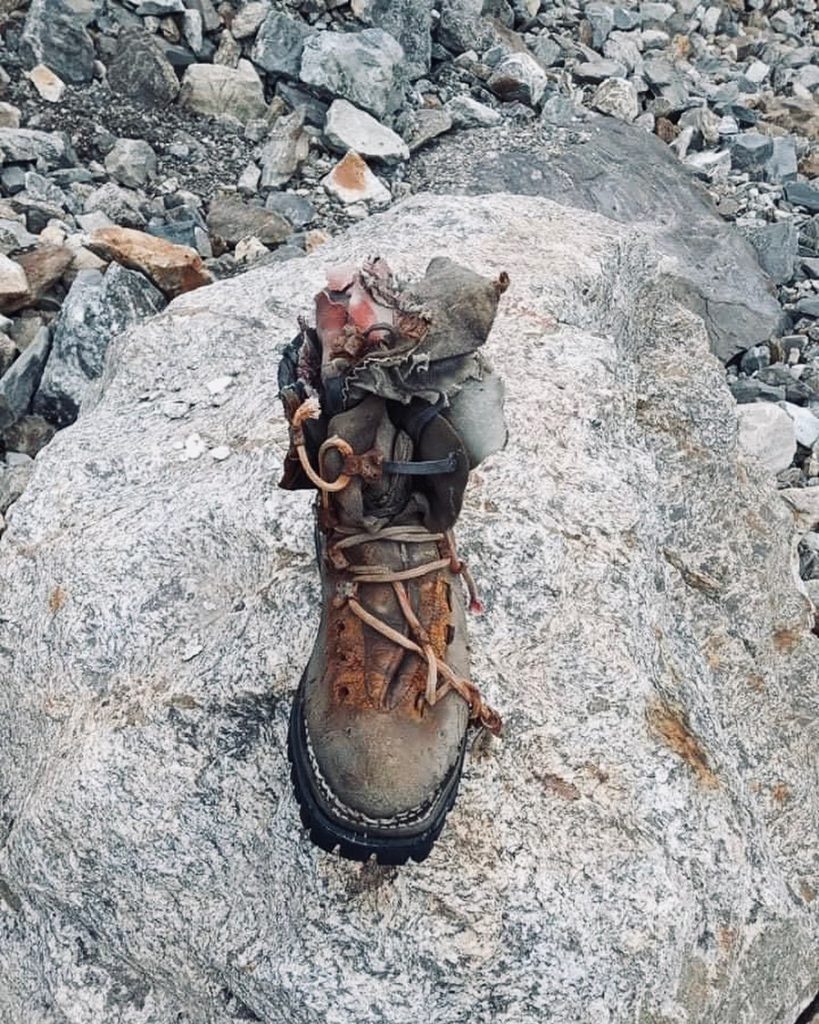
x: 350, y: 842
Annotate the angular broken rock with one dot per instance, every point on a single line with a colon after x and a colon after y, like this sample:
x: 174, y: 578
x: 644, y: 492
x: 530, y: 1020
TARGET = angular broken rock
x: 248, y: 19
x: 13, y: 284
x: 54, y: 36
x: 617, y: 98
x: 172, y: 268
x: 287, y: 147
x: 426, y: 124
x: 141, y: 72
x: 96, y: 309
x: 50, y: 86
x: 518, y: 77
x: 118, y: 204
x: 352, y: 181
x: 215, y: 89
x: 131, y: 162
x: 28, y: 435
x: 20, y: 381
x: 767, y: 432
x: 347, y: 127
x: 279, y: 44
x: 467, y: 112
x: 28, y: 146
x: 407, y: 21
x: 642, y: 847
x: 43, y: 267
x: 229, y: 220
x: 364, y: 67
x: 9, y: 115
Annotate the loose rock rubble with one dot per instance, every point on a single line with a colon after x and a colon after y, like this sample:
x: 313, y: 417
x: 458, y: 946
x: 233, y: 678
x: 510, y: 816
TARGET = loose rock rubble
x: 185, y: 140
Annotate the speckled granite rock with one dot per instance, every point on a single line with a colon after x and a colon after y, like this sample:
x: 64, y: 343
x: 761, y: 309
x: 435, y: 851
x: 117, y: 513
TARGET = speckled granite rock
x: 642, y: 845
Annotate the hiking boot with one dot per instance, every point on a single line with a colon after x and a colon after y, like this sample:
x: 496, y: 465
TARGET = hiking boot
x: 390, y: 404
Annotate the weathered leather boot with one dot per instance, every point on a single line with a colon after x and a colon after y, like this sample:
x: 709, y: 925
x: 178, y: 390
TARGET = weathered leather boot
x: 390, y: 404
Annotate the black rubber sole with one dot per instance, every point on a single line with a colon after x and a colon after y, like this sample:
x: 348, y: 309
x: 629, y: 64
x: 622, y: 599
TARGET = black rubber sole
x: 347, y: 840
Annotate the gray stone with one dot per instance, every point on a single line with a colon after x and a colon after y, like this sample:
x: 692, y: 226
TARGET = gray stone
x: 781, y: 166
x: 131, y: 162
x: 193, y: 31
x: 805, y: 424
x: 230, y: 220
x: 215, y: 89
x: 407, y: 21
x: 298, y: 211
x: 518, y: 77
x: 808, y: 306
x: 118, y: 204
x: 9, y: 116
x: 617, y: 98
x: 625, y: 19
x: 756, y: 358
x: 228, y: 52
x: 750, y: 151
x: 315, y: 110
x: 19, y: 383
x: 13, y: 481
x: 461, y: 27
x: 8, y: 351
x: 710, y: 165
x: 629, y: 175
x: 210, y: 16
x: 705, y: 124
x: 800, y: 193
x: 776, y: 248
x: 426, y: 124
x: 97, y: 307
x: 287, y: 147
x: 249, y: 18
x: 656, y: 13
x: 29, y: 435
x: 13, y: 282
x: 767, y: 432
x: 157, y: 8
x: 365, y: 68
x: 469, y: 113
x: 248, y: 183
x: 25, y: 145
x: 752, y: 390
x: 598, y: 70
x: 588, y: 866
x: 52, y: 35
x: 12, y: 179
x: 347, y: 127
x: 600, y: 17
x: 547, y: 50
x: 280, y: 44
x: 141, y: 72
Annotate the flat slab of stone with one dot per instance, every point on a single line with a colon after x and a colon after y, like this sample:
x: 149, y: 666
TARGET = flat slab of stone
x: 347, y: 127
x: 648, y: 823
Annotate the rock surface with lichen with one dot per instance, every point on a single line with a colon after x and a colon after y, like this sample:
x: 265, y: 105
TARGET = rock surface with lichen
x: 640, y: 847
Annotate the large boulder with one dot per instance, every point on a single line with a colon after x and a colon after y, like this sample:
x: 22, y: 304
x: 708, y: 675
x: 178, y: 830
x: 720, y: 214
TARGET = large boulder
x: 642, y: 846
x: 53, y: 35
x: 627, y: 174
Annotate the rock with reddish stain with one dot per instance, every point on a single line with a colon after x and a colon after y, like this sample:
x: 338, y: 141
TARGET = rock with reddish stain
x: 352, y: 181
x: 172, y: 268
